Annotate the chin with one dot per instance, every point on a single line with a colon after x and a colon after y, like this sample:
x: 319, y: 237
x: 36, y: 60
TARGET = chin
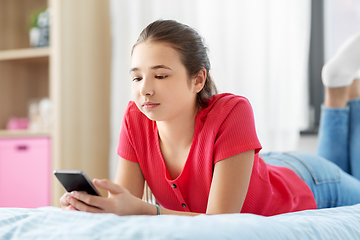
x: 150, y: 116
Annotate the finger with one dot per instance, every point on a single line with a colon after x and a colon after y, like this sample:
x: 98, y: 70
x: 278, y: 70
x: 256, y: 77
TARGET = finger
x: 108, y: 185
x: 88, y: 199
x: 71, y: 208
x: 81, y: 206
x: 68, y: 205
x: 63, y: 201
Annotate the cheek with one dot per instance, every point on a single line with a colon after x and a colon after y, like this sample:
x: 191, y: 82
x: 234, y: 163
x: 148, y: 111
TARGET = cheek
x: 135, y: 96
x: 181, y: 84
x: 134, y: 91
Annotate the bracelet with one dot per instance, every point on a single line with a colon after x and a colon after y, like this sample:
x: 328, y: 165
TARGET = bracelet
x: 158, y: 209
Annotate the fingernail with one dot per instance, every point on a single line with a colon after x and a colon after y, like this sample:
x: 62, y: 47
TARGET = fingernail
x: 74, y: 193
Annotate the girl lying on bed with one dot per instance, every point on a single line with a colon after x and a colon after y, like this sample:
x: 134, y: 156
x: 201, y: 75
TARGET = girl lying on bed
x: 199, y: 152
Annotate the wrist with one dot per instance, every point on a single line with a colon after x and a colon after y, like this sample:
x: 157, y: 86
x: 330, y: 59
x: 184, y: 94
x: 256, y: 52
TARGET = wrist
x: 145, y: 208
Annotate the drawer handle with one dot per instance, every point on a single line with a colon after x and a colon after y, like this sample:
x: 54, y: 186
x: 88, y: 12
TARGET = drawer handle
x: 22, y: 147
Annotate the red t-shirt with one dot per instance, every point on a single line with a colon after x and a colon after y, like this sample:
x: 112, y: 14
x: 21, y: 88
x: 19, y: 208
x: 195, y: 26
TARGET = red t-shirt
x: 223, y: 129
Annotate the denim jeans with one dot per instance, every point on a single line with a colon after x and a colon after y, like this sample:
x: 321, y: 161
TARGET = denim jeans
x: 331, y: 186
x: 339, y: 136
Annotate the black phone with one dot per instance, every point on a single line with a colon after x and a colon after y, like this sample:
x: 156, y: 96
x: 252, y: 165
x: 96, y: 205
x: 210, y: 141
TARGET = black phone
x: 76, y: 180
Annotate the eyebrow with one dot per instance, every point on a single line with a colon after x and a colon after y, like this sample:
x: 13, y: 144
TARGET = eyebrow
x: 153, y: 68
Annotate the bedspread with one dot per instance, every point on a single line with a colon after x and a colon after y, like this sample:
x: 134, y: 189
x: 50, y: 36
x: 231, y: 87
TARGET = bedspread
x: 52, y: 223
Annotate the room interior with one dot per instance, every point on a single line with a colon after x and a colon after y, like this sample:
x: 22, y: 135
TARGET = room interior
x: 74, y: 73
x: 64, y: 87
x: 83, y: 74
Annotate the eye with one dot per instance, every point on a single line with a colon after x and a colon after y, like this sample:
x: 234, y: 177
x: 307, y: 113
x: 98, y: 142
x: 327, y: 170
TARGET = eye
x: 136, y: 79
x: 161, y: 76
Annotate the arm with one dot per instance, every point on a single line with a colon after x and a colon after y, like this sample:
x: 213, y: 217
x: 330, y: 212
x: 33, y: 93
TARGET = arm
x: 230, y: 183
x: 227, y: 194
x: 129, y: 176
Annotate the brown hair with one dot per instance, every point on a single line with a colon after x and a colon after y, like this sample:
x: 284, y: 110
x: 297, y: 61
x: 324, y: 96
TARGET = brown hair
x: 190, y: 46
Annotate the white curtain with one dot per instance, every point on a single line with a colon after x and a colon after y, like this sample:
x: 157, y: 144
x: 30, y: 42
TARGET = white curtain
x: 258, y: 49
x: 341, y: 20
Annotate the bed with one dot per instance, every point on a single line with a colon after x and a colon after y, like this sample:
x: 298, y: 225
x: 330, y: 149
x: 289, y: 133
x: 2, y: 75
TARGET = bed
x: 52, y: 223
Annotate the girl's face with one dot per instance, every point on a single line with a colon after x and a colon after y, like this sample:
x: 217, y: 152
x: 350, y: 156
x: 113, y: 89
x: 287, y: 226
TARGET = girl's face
x: 160, y: 83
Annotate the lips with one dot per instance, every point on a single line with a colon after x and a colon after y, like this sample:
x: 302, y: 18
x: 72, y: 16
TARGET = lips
x: 150, y: 105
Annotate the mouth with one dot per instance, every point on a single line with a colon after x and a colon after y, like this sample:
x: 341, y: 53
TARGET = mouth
x: 150, y: 105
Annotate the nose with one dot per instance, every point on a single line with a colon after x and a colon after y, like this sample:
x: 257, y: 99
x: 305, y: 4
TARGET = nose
x: 146, y: 88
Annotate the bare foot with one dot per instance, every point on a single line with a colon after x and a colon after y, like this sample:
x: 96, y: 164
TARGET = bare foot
x: 354, y: 91
x: 336, y: 97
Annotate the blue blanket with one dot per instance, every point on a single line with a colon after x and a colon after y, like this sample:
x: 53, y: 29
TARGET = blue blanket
x: 52, y: 223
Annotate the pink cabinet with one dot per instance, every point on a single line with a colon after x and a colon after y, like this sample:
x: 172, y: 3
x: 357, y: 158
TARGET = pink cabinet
x: 25, y: 172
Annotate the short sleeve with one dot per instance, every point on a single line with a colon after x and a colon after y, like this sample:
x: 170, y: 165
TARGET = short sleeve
x: 237, y: 133
x: 126, y: 148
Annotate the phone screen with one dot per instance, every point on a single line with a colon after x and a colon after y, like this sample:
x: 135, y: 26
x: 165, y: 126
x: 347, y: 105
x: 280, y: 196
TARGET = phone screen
x: 74, y: 180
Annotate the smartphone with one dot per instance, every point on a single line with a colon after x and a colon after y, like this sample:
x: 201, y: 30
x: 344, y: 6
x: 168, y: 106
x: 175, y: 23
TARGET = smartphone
x: 76, y: 180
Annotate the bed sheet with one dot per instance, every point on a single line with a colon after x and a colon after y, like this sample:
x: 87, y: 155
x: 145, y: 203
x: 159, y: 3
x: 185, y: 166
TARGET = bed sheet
x: 52, y: 223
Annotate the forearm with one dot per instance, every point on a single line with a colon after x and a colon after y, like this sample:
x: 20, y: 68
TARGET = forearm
x: 145, y: 208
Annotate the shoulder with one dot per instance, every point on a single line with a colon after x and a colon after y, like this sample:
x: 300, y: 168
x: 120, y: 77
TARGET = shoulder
x: 227, y: 99
x: 226, y: 103
x: 136, y: 127
x: 132, y: 111
x: 134, y: 118
x: 232, y: 120
x: 132, y: 108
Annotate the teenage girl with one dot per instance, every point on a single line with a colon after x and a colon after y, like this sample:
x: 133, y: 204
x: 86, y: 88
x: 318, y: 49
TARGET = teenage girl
x: 198, y: 150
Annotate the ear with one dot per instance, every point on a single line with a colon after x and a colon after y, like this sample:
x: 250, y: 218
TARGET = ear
x: 200, y: 80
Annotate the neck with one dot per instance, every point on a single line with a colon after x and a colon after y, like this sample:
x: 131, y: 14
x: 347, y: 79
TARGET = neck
x: 179, y: 132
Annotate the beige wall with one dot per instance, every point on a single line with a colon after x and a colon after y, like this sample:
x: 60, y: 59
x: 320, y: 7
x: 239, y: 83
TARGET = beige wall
x: 80, y: 87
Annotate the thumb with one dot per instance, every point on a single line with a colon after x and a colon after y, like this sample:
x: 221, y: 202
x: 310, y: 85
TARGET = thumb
x: 108, y: 185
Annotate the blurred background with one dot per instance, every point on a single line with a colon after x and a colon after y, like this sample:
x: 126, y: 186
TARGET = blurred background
x: 64, y: 81
x: 270, y: 51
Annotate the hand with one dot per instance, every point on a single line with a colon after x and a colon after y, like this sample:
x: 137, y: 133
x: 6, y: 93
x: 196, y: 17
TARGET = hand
x: 65, y: 202
x: 119, y: 201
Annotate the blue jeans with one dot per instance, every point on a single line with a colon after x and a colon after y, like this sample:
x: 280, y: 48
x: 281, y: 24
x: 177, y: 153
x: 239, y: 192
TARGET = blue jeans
x: 328, y: 174
x: 339, y: 136
x: 331, y: 186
